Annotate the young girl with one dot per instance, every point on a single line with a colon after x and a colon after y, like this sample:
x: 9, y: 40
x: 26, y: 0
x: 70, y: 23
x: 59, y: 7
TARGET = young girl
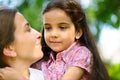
x: 70, y: 51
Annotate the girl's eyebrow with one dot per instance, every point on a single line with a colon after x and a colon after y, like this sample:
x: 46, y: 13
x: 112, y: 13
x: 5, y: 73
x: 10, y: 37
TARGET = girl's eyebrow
x: 46, y: 24
x: 63, y: 23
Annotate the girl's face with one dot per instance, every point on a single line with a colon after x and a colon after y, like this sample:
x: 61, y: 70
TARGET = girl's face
x: 27, y: 40
x: 59, y: 30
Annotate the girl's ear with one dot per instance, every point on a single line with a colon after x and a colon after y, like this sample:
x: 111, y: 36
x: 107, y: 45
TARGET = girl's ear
x: 9, y: 51
x: 78, y: 34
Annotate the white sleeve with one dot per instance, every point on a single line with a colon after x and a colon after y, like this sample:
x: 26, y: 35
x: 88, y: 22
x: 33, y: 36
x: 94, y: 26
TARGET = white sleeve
x: 36, y: 74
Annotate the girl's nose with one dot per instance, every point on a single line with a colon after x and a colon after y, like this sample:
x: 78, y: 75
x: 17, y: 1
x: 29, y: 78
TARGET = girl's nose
x: 54, y: 33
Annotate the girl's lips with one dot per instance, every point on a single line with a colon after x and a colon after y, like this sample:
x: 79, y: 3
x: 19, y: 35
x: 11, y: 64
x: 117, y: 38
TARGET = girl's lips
x: 54, y: 41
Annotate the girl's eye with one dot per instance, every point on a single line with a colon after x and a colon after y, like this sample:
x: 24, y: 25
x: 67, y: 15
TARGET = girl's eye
x: 47, y: 28
x: 63, y: 27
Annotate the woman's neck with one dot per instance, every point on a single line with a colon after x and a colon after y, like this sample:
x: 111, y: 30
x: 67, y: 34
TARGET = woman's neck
x: 23, y: 70
x: 22, y: 67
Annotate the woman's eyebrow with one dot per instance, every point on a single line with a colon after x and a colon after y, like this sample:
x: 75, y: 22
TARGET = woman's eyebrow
x: 26, y: 24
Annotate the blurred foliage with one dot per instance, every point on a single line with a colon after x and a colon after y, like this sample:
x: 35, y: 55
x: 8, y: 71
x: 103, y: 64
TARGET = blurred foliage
x: 99, y: 12
x: 114, y: 71
x: 31, y: 9
x: 103, y: 12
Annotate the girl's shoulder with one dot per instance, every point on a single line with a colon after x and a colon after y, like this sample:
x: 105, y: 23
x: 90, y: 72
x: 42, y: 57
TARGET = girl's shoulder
x: 80, y: 57
x: 78, y: 50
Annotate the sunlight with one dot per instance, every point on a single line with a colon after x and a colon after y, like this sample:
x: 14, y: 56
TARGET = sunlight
x: 110, y: 44
x: 85, y: 3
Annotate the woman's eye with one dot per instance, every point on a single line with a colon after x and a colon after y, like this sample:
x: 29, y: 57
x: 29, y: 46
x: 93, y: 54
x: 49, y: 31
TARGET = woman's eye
x: 29, y: 29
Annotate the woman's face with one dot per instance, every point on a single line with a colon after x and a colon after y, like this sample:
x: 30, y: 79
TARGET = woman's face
x: 27, y: 40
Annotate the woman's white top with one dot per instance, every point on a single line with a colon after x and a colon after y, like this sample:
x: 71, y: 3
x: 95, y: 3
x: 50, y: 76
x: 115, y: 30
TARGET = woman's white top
x: 36, y: 74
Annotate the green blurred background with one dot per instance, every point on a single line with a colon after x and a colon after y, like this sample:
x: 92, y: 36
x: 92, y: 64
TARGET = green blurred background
x: 101, y: 14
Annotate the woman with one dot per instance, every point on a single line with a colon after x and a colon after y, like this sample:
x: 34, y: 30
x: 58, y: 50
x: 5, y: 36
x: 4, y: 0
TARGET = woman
x: 19, y: 45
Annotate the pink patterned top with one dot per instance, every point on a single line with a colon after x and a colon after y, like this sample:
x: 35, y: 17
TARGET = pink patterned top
x: 75, y: 55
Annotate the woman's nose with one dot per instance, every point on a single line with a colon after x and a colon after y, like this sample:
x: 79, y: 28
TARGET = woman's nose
x: 37, y: 34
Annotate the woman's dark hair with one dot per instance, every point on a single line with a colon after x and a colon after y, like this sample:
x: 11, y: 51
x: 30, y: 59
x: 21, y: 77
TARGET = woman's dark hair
x: 7, y: 29
x: 73, y: 9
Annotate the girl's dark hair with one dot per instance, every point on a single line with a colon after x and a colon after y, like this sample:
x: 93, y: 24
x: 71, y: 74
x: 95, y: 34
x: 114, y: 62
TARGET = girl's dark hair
x: 7, y: 29
x: 73, y: 9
